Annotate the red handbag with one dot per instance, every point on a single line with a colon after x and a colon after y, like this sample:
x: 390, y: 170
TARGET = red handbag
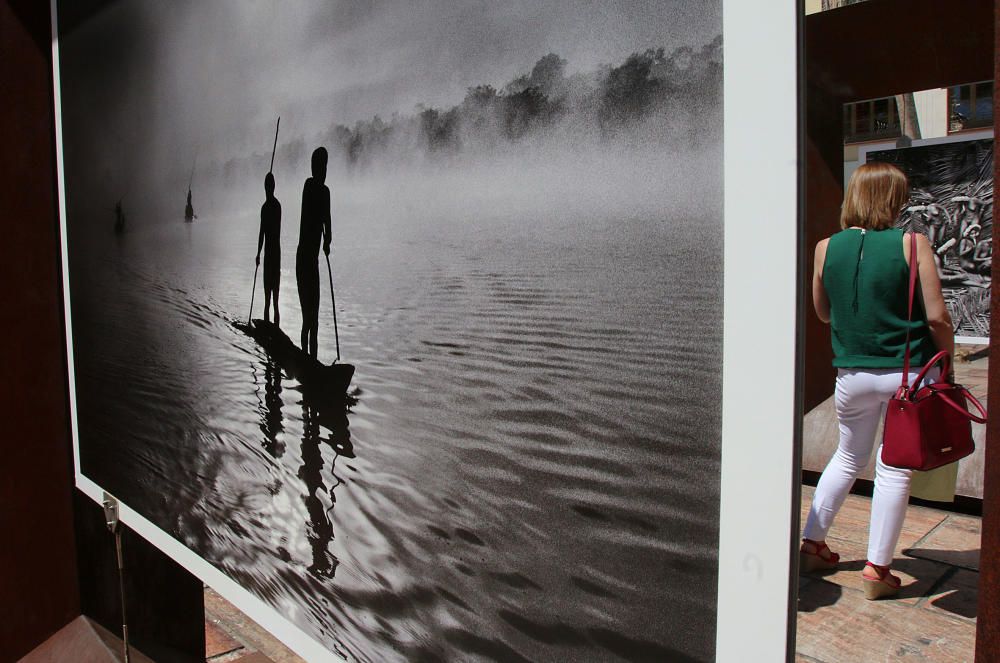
x: 927, y: 425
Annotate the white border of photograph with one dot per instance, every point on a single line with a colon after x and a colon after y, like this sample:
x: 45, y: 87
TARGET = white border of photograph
x: 760, y: 294
x: 760, y: 56
x: 963, y: 137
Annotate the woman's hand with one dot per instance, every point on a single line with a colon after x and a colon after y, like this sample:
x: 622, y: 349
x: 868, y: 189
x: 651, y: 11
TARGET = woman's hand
x: 938, y: 319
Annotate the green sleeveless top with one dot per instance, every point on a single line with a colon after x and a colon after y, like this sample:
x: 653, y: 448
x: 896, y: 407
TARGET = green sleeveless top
x: 866, y: 278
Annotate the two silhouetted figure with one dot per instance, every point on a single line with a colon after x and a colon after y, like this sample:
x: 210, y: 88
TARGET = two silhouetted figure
x: 270, y: 241
x: 189, y: 208
x: 314, y: 229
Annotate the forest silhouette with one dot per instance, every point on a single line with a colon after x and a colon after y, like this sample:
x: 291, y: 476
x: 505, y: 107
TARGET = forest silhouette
x: 651, y: 86
x: 652, y: 97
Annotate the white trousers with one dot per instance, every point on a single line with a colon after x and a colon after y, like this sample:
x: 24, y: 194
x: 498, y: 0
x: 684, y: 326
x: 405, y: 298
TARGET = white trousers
x: 861, y: 396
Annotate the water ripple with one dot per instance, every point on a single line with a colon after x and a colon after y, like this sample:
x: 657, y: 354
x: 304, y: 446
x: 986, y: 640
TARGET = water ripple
x: 527, y: 468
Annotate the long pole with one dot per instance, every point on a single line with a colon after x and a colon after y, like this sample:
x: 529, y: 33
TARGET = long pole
x: 333, y: 297
x: 255, y: 269
x: 273, y: 149
x: 253, y: 292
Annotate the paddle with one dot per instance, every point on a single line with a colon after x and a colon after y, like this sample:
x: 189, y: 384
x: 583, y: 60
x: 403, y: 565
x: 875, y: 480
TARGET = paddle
x: 333, y: 297
x: 252, y: 293
x: 255, y: 269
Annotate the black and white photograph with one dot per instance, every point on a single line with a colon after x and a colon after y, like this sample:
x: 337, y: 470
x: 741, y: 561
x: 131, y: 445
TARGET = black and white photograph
x: 951, y: 202
x: 408, y: 316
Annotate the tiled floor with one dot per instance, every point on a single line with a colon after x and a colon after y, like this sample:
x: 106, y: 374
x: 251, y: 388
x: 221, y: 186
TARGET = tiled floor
x: 231, y: 636
x: 934, y: 616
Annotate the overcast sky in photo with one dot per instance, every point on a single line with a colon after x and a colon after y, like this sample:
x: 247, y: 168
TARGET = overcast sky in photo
x: 211, y: 76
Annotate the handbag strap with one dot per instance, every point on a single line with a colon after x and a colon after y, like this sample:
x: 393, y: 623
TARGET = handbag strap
x: 909, y: 309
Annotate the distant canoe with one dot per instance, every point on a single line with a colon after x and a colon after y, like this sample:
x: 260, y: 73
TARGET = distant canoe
x: 328, y: 379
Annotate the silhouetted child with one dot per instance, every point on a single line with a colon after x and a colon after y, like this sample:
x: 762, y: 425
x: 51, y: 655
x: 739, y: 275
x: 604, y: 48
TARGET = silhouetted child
x: 314, y: 228
x: 270, y: 241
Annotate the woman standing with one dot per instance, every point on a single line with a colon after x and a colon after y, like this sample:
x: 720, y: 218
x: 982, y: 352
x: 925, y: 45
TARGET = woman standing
x: 861, y: 287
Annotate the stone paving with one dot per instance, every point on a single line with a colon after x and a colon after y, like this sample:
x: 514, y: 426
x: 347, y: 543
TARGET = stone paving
x: 932, y: 619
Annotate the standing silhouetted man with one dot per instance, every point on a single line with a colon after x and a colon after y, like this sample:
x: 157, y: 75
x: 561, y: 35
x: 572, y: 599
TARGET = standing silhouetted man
x: 270, y: 241
x: 315, y: 227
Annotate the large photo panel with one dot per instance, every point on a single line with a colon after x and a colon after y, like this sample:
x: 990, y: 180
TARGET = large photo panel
x: 401, y: 324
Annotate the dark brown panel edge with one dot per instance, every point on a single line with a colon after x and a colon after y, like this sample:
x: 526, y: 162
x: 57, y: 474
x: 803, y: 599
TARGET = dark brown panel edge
x: 38, y: 575
x: 800, y: 334
x: 988, y: 618
x: 54, y: 562
x: 846, y: 52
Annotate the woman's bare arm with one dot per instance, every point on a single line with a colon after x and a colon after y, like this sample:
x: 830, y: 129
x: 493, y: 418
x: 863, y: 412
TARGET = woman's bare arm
x: 820, y: 301
x: 930, y: 293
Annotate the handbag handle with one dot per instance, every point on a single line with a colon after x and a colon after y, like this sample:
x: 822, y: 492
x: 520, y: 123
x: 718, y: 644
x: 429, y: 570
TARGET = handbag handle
x: 978, y: 418
x: 909, y: 312
x: 941, y: 356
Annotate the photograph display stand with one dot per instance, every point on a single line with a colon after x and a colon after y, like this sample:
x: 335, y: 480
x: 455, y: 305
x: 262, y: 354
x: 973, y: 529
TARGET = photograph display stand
x: 529, y: 423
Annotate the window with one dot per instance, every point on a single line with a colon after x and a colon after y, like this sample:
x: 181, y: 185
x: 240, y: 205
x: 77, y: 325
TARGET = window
x: 877, y: 119
x: 970, y: 106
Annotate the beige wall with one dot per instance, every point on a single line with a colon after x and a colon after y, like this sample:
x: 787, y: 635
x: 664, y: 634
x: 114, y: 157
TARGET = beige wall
x: 932, y: 112
x: 813, y: 6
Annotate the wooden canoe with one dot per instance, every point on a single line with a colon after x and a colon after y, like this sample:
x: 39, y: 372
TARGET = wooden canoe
x: 314, y: 376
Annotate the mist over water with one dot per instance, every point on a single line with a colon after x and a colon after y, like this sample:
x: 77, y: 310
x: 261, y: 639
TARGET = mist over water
x: 528, y: 280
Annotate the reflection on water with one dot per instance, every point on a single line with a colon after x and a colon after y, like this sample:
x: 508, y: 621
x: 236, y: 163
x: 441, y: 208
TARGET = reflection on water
x: 528, y: 469
x: 270, y: 408
x: 321, y: 499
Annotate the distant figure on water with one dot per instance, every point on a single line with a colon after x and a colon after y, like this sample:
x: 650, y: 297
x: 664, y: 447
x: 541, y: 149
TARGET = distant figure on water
x: 119, y: 218
x: 270, y: 241
x: 314, y: 228
x: 189, y: 208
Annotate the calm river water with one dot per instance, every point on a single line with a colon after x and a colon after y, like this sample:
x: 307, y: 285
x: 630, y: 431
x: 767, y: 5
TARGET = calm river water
x: 530, y: 470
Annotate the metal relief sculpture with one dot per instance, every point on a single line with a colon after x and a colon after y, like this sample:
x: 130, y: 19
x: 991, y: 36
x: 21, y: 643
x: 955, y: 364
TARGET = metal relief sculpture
x: 951, y: 201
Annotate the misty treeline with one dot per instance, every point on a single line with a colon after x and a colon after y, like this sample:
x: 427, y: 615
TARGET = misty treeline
x: 653, y: 98
x: 651, y: 95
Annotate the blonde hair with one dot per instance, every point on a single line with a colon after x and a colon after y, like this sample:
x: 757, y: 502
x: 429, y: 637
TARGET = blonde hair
x: 875, y: 196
